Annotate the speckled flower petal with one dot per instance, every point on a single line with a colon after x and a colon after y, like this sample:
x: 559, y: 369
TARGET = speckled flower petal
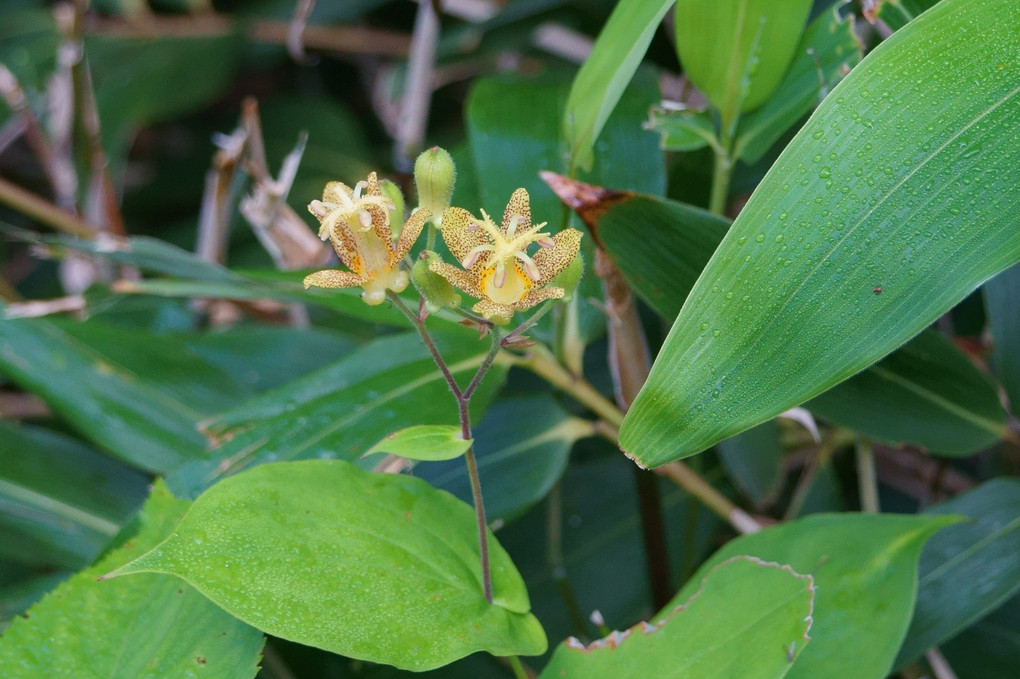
x: 409, y: 234
x: 457, y: 277
x: 332, y: 278
x: 459, y: 236
x: 335, y: 193
x: 380, y: 216
x: 520, y: 204
x: 536, y: 295
x: 345, y: 245
x: 493, y: 311
x: 553, y: 260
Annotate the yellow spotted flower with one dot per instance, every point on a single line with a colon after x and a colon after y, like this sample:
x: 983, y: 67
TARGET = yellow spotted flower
x: 497, y: 267
x: 357, y: 222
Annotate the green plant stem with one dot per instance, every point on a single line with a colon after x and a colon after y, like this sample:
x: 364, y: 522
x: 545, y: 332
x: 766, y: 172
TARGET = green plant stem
x: 518, y: 667
x: 554, y: 558
x: 535, y: 318
x: 541, y: 362
x: 867, y: 480
x: 463, y: 398
x: 721, y: 176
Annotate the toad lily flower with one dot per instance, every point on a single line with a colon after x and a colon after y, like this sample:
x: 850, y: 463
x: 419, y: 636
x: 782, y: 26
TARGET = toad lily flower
x: 497, y: 267
x: 357, y: 222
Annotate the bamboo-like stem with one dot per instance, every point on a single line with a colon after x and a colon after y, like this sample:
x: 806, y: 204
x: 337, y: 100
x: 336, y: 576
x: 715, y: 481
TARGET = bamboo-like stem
x: 939, y: 665
x: 867, y: 480
x: 541, y: 361
x: 42, y: 210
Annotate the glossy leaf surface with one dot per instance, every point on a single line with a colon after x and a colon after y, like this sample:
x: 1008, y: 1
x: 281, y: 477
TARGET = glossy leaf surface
x: 736, y: 52
x: 146, y: 627
x: 895, y: 201
x: 380, y: 567
x: 865, y: 571
x: 827, y: 51
x: 748, y: 619
x: 600, y: 83
x: 969, y: 569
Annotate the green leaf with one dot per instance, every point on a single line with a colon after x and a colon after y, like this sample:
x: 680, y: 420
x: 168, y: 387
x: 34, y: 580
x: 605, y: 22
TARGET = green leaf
x: 1001, y: 295
x: 521, y: 447
x: 967, y: 570
x: 896, y: 200
x: 927, y: 393
x: 865, y: 569
x: 737, y: 52
x: 991, y: 648
x: 136, y: 395
x: 828, y: 50
x: 683, y: 129
x: 748, y: 619
x: 149, y: 627
x: 430, y: 442
x: 391, y: 563
x: 754, y: 461
x: 345, y: 407
x: 600, y: 83
x: 60, y: 501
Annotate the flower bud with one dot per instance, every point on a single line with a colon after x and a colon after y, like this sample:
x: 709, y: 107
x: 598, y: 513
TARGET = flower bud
x: 393, y: 193
x: 438, y: 293
x: 570, y: 277
x: 435, y: 175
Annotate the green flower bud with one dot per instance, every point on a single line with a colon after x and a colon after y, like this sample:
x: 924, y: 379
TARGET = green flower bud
x: 393, y: 193
x: 570, y: 277
x: 438, y: 293
x: 435, y: 175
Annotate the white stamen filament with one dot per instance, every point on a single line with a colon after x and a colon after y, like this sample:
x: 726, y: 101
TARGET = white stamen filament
x: 530, y: 267
x: 365, y: 217
x: 512, y: 228
x: 546, y: 242
x: 472, y: 256
x: 499, y: 280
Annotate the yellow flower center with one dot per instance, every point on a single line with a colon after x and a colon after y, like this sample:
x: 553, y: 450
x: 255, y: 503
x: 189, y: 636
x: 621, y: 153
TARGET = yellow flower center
x: 508, y: 271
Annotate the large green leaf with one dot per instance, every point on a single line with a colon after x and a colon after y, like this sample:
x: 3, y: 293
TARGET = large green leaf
x: 345, y: 407
x: 865, y: 569
x: 754, y: 461
x: 969, y: 569
x: 381, y: 567
x: 522, y: 447
x: 828, y: 49
x: 737, y: 52
x: 896, y: 200
x: 148, y: 627
x: 927, y: 393
x: 60, y: 501
x: 600, y: 83
x: 1001, y: 295
x: 748, y: 619
x: 136, y: 395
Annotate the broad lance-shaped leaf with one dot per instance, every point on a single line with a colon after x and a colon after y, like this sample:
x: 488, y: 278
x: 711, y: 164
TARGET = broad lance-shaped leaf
x: 424, y: 442
x: 600, y: 83
x: 736, y: 52
x: 865, y: 569
x: 989, y: 649
x: 967, y: 570
x: 342, y: 409
x: 749, y: 619
x: 828, y: 50
x: 380, y: 567
x: 927, y: 393
x: 145, y: 627
x: 897, y: 199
